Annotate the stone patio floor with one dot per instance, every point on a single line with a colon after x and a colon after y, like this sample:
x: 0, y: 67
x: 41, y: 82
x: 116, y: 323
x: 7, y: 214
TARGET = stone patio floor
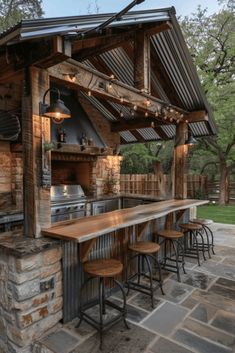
x: 196, y: 315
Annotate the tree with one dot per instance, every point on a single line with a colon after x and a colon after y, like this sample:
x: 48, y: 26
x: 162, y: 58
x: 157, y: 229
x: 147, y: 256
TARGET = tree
x: 13, y: 11
x: 211, y: 43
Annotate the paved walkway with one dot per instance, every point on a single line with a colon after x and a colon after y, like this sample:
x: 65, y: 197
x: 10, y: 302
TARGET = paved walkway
x: 196, y: 315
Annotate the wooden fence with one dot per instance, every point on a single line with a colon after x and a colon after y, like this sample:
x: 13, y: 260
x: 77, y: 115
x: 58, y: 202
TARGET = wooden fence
x: 147, y: 184
x: 150, y: 184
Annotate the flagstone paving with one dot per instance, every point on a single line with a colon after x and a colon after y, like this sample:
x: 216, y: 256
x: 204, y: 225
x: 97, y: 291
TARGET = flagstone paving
x: 194, y: 316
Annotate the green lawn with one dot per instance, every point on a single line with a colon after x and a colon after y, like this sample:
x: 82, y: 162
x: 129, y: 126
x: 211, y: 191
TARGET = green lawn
x: 219, y: 214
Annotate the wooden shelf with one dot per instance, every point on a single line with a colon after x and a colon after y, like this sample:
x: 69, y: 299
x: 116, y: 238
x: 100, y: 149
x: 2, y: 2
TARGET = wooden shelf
x: 74, y: 152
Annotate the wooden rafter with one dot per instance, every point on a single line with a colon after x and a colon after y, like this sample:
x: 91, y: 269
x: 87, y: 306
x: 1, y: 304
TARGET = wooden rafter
x: 109, y: 43
x: 142, y: 69
x: 138, y: 136
x: 88, y: 47
x: 138, y: 123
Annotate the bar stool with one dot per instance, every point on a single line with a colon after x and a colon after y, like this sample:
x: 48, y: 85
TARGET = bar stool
x: 145, y: 251
x: 192, y: 246
x: 174, y: 244
x: 209, y: 234
x: 102, y: 269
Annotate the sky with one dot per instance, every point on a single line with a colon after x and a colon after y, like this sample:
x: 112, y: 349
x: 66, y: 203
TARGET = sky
x: 55, y: 8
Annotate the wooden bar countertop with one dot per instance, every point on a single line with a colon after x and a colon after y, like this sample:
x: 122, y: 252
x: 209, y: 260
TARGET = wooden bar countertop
x: 87, y: 228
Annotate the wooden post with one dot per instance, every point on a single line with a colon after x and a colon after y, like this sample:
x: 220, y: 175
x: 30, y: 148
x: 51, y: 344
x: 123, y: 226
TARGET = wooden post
x: 37, y: 211
x: 180, y: 161
x: 142, y: 79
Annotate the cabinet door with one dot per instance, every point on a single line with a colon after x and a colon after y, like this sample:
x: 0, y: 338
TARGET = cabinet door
x: 129, y: 202
x: 111, y: 205
x: 98, y: 208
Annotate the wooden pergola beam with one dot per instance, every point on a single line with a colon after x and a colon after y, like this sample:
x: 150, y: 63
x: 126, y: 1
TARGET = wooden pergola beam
x: 142, y: 68
x: 137, y: 123
x: 94, y: 46
x: 78, y: 75
x: 85, y: 49
x: 197, y: 116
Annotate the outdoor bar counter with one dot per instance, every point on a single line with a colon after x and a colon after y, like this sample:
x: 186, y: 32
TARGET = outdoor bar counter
x: 91, y: 227
x: 108, y: 235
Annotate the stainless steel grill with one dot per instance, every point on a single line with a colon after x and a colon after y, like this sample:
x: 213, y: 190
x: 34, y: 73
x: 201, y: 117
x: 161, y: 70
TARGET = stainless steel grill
x: 67, y: 202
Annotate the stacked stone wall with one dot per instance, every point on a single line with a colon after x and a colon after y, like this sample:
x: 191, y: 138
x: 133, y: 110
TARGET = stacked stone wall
x: 30, y: 298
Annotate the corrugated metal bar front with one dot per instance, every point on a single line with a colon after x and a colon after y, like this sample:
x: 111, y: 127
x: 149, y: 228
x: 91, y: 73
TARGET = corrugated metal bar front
x: 112, y: 245
x: 72, y: 278
x: 106, y: 246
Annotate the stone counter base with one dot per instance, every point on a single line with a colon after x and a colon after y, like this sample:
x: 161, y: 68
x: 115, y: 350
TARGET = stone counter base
x: 30, y: 291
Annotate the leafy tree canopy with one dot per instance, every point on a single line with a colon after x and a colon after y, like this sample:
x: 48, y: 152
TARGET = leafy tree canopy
x: 13, y: 11
x: 211, y: 43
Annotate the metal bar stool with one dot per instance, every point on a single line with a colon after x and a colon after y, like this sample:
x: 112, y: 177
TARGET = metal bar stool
x: 173, y: 250
x: 102, y: 269
x: 192, y: 246
x: 208, y: 232
x: 145, y: 251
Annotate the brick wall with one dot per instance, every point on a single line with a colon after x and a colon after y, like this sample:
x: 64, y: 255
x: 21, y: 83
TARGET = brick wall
x: 11, y: 177
x: 5, y: 175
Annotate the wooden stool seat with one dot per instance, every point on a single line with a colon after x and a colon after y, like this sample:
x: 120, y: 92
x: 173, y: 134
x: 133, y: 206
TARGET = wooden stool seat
x: 194, y: 242
x: 145, y: 247
x: 99, y: 270
x: 103, y: 268
x: 191, y: 226
x: 173, y: 257
x: 205, y: 223
x: 202, y: 221
x: 146, y: 256
x: 171, y: 234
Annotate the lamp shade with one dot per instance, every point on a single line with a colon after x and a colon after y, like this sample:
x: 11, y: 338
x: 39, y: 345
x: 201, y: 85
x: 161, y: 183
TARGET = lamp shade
x: 190, y: 140
x: 57, y: 110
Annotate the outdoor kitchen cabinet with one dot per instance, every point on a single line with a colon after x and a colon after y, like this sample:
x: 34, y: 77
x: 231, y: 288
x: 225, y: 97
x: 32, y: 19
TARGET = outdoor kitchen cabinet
x: 132, y: 202
x: 103, y: 206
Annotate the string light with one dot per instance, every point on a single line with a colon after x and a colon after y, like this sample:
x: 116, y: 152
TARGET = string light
x: 146, y: 114
x: 121, y: 99
x: 135, y: 107
x: 89, y: 93
x: 148, y: 103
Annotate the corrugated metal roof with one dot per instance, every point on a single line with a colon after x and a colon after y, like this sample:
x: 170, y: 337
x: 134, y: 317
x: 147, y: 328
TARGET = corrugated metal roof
x: 128, y: 136
x: 169, y: 47
x: 149, y: 134
x: 32, y: 29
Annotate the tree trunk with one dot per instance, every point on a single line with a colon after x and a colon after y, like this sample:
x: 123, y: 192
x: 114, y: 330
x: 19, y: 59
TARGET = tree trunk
x: 224, y: 184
